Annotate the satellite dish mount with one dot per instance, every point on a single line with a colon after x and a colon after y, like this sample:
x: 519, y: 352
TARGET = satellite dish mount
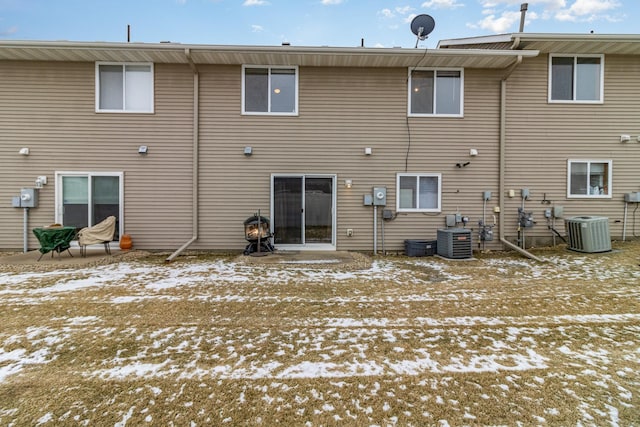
x: 422, y: 26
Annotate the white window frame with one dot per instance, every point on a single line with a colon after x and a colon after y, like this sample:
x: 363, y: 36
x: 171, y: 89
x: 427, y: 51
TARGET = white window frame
x: 417, y: 176
x: 590, y: 196
x: 124, y: 88
x: 89, y: 174
x: 269, y: 112
x: 435, y: 92
x: 574, y: 100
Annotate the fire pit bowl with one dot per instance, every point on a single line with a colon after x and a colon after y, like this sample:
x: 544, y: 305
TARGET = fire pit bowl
x: 257, y: 233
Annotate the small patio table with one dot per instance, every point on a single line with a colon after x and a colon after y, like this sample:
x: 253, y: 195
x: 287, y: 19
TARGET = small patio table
x: 54, y: 239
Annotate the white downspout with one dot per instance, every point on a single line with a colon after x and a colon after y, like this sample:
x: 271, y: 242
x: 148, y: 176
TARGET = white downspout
x: 502, y: 160
x: 196, y: 157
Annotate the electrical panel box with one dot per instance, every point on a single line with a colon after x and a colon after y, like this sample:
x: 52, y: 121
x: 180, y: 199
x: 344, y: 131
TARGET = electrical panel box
x: 486, y: 196
x: 558, y: 211
x: 524, y: 193
x: 632, y: 197
x: 15, y: 201
x: 368, y: 200
x: 387, y: 214
x: 450, y: 220
x: 379, y: 196
x: 28, y: 198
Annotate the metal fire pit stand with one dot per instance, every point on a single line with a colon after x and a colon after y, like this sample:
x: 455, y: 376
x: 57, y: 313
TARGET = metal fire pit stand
x: 259, y: 252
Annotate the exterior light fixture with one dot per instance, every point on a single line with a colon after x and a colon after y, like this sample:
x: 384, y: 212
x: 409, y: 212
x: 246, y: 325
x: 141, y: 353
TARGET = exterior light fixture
x: 40, y: 181
x: 367, y: 151
x: 24, y: 151
x: 348, y: 183
x: 276, y: 91
x: 473, y: 152
x: 625, y: 138
x: 143, y: 149
x: 248, y: 150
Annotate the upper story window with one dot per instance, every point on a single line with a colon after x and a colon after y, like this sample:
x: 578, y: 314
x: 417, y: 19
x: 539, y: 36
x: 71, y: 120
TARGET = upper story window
x: 576, y: 78
x: 124, y: 87
x: 436, y: 92
x: 269, y: 90
x: 418, y: 192
x: 589, y: 178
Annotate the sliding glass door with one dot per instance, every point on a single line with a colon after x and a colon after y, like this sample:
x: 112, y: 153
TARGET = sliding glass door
x: 303, y: 210
x: 85, y: 199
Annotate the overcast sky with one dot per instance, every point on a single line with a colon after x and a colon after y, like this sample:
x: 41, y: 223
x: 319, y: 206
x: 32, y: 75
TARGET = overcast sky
x: 304, y: 22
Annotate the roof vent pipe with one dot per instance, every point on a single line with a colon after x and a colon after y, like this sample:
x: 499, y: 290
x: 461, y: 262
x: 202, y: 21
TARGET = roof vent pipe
x: 523, y: 12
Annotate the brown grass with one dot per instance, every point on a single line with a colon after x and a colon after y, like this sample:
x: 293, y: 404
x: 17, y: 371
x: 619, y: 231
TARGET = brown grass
x: 412, y: 341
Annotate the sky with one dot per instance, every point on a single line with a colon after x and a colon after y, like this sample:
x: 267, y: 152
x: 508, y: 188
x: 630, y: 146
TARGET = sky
x: 341, y: 23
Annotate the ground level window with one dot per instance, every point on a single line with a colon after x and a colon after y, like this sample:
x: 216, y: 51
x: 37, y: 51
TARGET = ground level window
x: 84, y: 199
x: 418, y: 192
x: 589, y: 178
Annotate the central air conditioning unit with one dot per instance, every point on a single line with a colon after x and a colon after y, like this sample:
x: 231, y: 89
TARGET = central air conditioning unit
x: 454, y: 243
x: 588, y: 233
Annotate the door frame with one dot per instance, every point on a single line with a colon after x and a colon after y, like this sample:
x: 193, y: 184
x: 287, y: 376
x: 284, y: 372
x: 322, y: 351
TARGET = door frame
x: 58, y: 193
x: 308, y: 246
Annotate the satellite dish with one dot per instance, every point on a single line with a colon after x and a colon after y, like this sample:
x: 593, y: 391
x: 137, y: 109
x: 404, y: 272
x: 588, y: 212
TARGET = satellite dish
x: 421, y: 26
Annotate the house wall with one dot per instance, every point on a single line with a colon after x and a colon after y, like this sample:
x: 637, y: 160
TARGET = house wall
x: 342, y: 111
x: 541, y: 137
x: 50, y: 108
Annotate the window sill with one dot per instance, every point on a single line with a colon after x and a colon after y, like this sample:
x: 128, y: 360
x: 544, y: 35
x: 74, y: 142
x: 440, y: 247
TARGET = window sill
x: 437, y: 116
x: 257, y: 113
x: 557, y: 101
x: 123, y: 112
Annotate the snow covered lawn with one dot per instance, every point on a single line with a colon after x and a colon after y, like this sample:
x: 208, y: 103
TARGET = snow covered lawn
x: 214, y: 340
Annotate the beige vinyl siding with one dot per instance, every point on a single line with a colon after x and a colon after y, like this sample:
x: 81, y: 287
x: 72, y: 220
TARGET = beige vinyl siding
x: 342, y: 111
x: 541, y: 137
x: 50, y: 108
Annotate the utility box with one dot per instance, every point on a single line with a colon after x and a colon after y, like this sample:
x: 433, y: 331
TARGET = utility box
x: 588, y: 233
x: 29, y: 198
x: 632, y: 197
x: 558, y: 211
x: 420, y: 247
x: 379, y: 196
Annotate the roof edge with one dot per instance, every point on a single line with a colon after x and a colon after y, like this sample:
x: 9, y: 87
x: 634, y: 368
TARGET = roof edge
x: 511, y: 37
